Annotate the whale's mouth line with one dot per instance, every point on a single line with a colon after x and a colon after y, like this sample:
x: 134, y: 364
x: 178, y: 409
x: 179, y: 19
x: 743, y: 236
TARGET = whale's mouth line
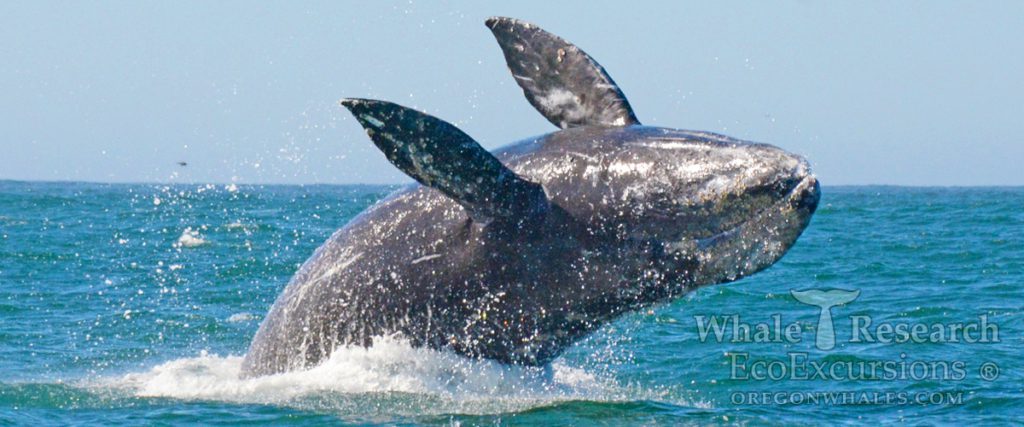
x: 790, y: 201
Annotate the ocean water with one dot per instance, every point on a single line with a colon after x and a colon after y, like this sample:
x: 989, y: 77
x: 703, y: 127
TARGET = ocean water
x: 135, y: 303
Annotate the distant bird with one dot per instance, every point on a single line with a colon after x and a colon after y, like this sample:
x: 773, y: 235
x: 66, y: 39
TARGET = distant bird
x: 182, y: 164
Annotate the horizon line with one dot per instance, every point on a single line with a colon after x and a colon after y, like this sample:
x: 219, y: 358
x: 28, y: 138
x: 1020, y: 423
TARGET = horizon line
x: 393, y: 184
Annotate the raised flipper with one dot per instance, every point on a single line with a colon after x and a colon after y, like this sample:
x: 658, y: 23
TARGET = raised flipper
x: 561, y: 81
x: 439, y: 155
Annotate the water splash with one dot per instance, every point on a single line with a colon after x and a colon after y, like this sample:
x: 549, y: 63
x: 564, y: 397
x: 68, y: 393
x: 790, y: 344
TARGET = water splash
x: 391, y: 375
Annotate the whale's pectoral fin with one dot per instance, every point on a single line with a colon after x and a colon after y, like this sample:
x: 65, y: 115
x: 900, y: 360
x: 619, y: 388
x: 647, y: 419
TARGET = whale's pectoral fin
x: 564, y: 83
x: 440, y: 156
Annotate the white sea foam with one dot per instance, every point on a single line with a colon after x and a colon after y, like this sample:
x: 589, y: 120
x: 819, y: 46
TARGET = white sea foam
x: 241, y: 317
x: 190, y: 238
x: 237, y: 225
x: 390, y: 377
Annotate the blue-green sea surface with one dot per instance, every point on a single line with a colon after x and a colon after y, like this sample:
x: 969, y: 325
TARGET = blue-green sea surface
x: 134, y: 304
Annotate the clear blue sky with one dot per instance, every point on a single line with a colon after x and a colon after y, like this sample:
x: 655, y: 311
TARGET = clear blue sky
x: 913, y: 93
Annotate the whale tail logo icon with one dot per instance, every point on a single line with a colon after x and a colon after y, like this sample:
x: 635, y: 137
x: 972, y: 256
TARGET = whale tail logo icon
x: 825, y: 333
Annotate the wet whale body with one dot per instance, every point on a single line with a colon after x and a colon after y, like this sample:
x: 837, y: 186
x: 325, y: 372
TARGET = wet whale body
x: 517, y: 254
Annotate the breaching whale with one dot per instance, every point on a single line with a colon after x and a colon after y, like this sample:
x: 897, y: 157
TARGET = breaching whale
x: 515, y: 255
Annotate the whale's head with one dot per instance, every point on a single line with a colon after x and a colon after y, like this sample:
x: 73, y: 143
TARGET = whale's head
x: 729, y: 207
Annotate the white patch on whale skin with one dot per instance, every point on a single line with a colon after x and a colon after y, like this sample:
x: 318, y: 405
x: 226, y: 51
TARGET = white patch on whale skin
x: 337, y: 267
x: 683, y: 144
x: 372, y: 120
x: 557, y: 98
x: 718, y: 170
x: 630, y: 168
x: 565, y: 102
x: 300, y: 292
x: 425, y: 258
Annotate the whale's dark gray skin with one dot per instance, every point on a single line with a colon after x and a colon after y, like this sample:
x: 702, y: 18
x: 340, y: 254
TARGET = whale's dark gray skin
x: 516, y: 255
